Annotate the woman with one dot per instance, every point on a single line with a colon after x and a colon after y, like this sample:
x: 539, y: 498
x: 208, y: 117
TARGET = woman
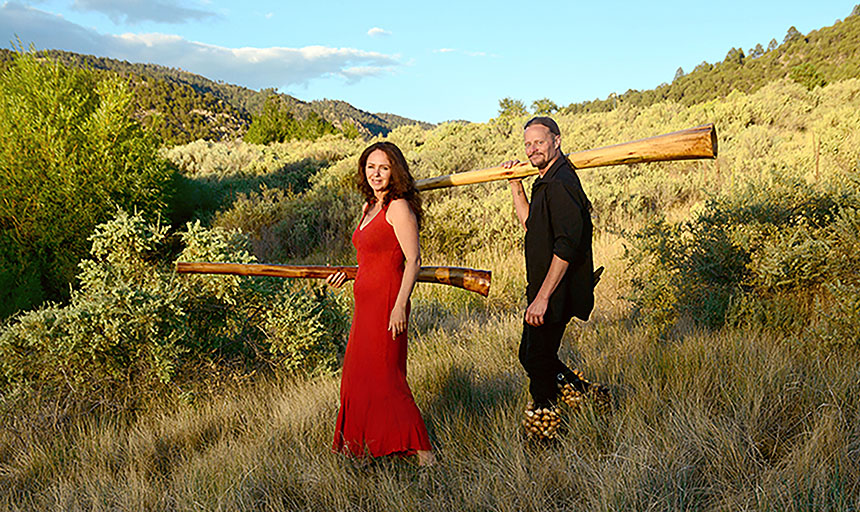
x: 378, y: 415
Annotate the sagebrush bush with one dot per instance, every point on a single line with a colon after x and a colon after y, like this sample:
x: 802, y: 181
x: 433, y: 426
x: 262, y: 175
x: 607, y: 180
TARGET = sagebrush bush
x: 764, y: 254
x: 134, y: 325
x: 749, y: 238
x: 307, y: 330
x: 222, y: 159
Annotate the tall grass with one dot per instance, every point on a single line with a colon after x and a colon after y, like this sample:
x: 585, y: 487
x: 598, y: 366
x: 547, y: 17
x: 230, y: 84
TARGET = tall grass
x: 742, y: 415
x: 729, y: 420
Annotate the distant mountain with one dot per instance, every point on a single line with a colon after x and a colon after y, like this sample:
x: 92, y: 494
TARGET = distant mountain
x: 183, y: 107
x: 822, y: 56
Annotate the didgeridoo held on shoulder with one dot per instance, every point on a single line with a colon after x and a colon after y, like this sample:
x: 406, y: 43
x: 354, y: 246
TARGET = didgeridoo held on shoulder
x: 690, y: 144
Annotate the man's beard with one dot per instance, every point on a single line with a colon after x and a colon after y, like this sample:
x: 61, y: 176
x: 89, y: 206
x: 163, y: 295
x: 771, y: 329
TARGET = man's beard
x: 539, y: 160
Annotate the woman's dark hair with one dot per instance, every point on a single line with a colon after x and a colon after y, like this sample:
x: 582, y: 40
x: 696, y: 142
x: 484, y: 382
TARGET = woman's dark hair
x: 401, y: 185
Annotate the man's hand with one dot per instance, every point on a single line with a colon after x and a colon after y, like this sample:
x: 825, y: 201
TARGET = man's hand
x: 536, y: 311
x: 508, y: 165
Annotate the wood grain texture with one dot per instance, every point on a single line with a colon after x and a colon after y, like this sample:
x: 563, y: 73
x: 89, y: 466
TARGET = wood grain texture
x: 477, y: 281
x: 690, y: 144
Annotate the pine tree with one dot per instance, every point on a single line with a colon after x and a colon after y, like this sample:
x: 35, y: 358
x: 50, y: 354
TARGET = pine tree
x: 274, y: 124
x: 806, y: 75
x: 756, y: 52
x: 544, y: 107
x: 792, y: 35
x: 509, y: 107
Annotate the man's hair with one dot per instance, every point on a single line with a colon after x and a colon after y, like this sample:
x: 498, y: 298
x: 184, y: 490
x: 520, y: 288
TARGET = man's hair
x: 544, y: 121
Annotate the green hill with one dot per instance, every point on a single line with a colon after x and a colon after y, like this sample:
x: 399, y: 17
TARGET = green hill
x: 183, y: 107
x: 823, y: 56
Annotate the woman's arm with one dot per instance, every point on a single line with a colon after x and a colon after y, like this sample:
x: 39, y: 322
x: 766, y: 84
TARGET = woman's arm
x: 405, y: 224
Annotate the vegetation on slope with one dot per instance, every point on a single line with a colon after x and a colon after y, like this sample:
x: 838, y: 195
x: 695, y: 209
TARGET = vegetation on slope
x: 726, y: 326
x: 182, y: 107
x: 71, y: 155
x: 823, y: 56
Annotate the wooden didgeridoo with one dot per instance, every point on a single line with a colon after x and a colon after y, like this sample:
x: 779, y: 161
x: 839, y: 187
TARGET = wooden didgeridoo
x: 689, y: 144
x: 477, y: 281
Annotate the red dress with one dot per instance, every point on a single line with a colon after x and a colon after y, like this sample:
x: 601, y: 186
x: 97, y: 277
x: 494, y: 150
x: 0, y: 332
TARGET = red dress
x: 378, y: 415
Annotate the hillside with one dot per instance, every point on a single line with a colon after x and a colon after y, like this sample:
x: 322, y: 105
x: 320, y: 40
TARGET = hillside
x: 726, y: 323
x: 746, y: 400
x: 823, y: 56
x: 183, y: 107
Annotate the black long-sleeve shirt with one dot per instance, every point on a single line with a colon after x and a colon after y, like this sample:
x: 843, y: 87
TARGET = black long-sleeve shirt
x: 559, y: 223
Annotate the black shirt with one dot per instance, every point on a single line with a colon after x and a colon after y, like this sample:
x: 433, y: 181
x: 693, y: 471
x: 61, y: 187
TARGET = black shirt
x: 559, y: 223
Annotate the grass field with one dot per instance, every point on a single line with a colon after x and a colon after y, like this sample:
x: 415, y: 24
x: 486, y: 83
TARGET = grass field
x: 726, y: 327
x: 726, y: 420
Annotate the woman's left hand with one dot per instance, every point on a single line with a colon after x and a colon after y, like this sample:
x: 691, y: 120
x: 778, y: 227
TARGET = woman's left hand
x: 336, y: 280
x: 398, y: 322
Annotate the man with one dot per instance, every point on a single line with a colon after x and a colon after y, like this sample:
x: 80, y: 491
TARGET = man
x: 559, y: 271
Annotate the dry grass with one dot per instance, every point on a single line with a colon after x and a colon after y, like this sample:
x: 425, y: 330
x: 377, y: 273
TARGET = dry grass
x: 732, y: 420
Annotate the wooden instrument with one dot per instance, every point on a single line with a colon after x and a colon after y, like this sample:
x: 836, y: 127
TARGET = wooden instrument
x: 689, y: 144
x: 469, y: 279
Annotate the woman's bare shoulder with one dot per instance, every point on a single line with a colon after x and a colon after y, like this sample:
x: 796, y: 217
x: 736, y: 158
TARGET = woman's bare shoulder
x: 399, y: 209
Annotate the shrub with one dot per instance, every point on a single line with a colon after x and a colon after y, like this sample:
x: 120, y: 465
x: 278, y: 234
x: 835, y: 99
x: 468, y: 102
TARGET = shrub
x: 133, y: 325
x: 276, y: 123
x: 71, y: 154
x: 781, y: 254
x: 806, y: 75
x: 306, y: 329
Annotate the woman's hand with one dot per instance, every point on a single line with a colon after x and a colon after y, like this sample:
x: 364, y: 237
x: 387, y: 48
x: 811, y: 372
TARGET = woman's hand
x: 336, y: 280
x: 398, y: 322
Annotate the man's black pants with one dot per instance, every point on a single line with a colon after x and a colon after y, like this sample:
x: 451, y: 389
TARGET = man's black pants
x: 539, y: 356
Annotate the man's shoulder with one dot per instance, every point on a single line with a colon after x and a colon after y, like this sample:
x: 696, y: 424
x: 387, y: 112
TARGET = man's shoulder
x: 565, y: 174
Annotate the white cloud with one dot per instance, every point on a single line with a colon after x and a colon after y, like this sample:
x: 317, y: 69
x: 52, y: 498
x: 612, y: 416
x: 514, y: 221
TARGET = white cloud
x: 269, y: 15
x: 355, y: 73
x: 251, y: 67
x: 376, y: 31
x: 464, y: 52
x: 136, y: 11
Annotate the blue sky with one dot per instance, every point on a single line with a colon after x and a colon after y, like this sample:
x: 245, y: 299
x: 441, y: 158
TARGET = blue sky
x: 433, y: 61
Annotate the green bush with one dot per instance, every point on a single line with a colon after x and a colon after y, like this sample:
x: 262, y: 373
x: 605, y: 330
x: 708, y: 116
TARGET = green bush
x: 780, y: 253
x: 306, y: 330
x: 71, y: 154
x: 276, y: 123
x: 134, y: 325
x: 806, y: 75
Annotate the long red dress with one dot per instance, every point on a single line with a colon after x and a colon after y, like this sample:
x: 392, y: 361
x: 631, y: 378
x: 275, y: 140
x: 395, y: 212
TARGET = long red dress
x: 378, y: 415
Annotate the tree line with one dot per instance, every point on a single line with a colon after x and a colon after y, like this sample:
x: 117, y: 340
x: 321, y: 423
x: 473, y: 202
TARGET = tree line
x: 823, y: 56
x: 181, y: 107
